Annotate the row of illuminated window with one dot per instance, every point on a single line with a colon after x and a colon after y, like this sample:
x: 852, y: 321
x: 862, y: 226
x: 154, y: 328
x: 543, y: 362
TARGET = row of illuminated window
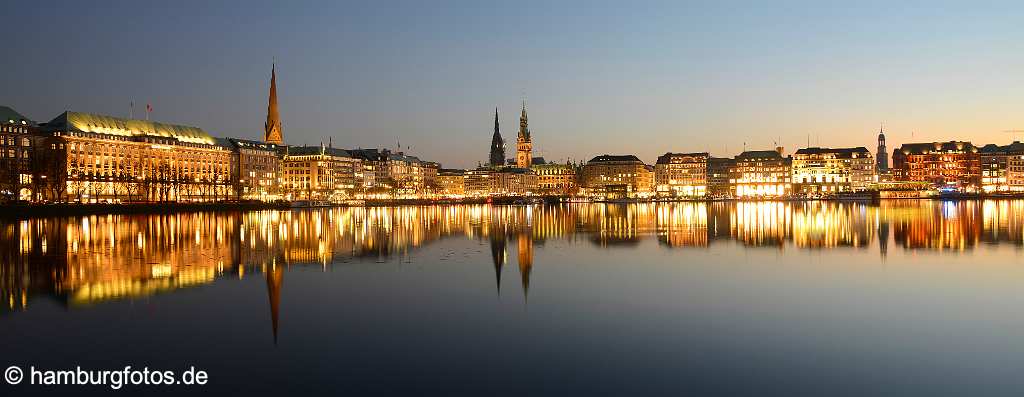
x: 12, y: 141
x: 13, y: 128
x: 12, y: 153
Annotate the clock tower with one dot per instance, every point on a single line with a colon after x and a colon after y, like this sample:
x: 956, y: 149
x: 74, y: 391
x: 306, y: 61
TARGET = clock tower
x: 524, y: 144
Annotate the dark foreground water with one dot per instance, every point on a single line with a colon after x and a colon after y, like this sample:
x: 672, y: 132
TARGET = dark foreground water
x: 901, y: 298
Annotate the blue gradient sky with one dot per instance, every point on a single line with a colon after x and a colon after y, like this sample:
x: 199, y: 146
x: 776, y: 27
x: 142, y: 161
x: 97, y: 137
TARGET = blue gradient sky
x: 599, y: 77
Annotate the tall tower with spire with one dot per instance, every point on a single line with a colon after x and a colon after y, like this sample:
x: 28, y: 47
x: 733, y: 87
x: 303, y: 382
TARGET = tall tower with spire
x: 524, y: 144
x: 497, y: 157
x: 272, y: 128
x: 882, y: 157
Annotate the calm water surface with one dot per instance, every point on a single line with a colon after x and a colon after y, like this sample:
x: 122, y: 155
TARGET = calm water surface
x: 897, y: 298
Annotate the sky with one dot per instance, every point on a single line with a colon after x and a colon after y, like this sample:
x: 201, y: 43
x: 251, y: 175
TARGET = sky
x: 612, y: 77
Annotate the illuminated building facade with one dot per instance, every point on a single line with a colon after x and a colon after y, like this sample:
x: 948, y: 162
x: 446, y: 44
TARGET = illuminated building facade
x: 512, y: 181
x: 320, y: 173
x: 430, y: 170
x: 681, y: 174
x: 760, y: 173
x: 718, y: 176
x: 617, y: 175
x: 505, y: 181
x: 945, y: 165
x: 375, y: 168
x: 100, y: 158
x: 1015, y: 172
x: 394, y: 173
x: 407, y: 173
x: 477, y: 182
x: 450, y: 182
x: 369, y: 174
x: 15, y: 155
x: 255, y: 168
x: 555, y: 179
x: 832, y: 170
x: 996, y: 173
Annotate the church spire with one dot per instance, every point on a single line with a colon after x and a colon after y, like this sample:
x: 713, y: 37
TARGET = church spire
x: 497, y: 154
x: 882, y: 155
x: 524, y: 125
x: 272, y: 128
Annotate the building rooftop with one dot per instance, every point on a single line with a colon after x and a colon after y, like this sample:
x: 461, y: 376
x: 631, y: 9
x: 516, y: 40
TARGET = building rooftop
x: 8, y: 115
x: 403, y: 157
x: 759, y: 154
x: 609, y: 158
x: 846, y: 152
x: 534, y: 161
x: 450, y: 171
x: 382, y: 155
x: 667, y: 157
x: 1015, y: 147
x: 931, y: 147
x: 110, y: 125
x: 515, y: 170
x: 234, y: 143
x: 370, y: 154
x: 315, y: 150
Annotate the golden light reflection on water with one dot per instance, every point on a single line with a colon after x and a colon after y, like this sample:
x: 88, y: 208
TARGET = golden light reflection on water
x: 85, y: 260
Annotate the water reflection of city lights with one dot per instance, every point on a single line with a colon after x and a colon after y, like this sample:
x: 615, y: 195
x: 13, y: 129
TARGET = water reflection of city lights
x: 95, y: 258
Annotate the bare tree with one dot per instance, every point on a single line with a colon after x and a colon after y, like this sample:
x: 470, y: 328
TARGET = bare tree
x: 9, y: 176
x: 162, y: 179
x: 49, y: 169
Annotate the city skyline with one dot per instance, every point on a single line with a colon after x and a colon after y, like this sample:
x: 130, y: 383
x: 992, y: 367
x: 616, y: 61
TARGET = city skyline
x: 83, y: 157
x: 694, y: 78
x: 788, y: 198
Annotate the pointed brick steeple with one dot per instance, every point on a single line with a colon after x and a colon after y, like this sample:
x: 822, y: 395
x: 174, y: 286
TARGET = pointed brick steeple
x: 272, y: 128
x: 497, y: 155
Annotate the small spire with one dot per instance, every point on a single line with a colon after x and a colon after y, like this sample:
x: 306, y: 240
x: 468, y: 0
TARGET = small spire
x: 272, y: 128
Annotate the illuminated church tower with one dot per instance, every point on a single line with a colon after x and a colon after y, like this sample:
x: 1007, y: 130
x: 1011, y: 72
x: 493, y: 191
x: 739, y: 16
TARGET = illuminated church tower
x: 497, y: 158
x: 524, y: 145
x: 882, y: 158
x: 272, y: 129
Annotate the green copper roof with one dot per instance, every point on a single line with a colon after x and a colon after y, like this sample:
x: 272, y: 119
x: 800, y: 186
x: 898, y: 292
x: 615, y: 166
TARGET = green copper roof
x: 8, y: 115
x: 100, y: 124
